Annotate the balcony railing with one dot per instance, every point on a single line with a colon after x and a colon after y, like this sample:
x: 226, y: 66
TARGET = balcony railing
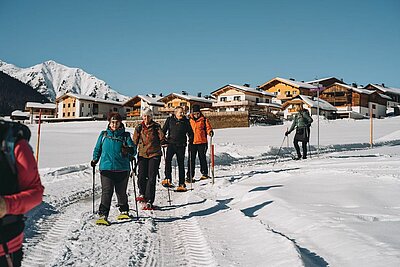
x: 233, y: 103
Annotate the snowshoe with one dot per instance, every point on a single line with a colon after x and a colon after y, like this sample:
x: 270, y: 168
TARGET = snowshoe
x: 204, y: 177
x: 124, y: 216
x: 181, y: 188
x: 140, y: 199
x: 166, y: 183
x: 103, y: 221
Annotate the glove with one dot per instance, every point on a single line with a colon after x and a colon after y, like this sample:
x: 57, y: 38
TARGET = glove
x: 211, y: 133
x: 93, y: 163
x: 287, y: 133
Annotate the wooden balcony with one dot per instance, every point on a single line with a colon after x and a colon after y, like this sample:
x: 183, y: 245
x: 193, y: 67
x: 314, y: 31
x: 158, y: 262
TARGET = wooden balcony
x: 232, y: 103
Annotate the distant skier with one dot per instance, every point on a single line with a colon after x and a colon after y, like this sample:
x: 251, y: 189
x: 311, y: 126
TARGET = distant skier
x: 116, y: 149
x: 148, y: 137
x: 302, y: 123
x: 20, y: 189
x: 201, y: 128
x: 177, y: 129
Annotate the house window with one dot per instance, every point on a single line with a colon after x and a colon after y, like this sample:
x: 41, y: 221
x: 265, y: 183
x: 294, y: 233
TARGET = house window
x: 69, y: 105
x: 83, y: 105
x: 73, y: 114
x: 69, y: 114
x: 223, y: 99
x: 183, y: 104
x: 236, y: 98
x: 128, y: 110
x: 73, y: 104
x: 115, y: 109
x: 373, y: 106
x: 89, y: 105
x: 64, y: 114
x: 257, y: 100
x: 170, y: 105
x: 275, y: 93
x: 236, y: 109
x: 267, y: 100
x: 64, y: 105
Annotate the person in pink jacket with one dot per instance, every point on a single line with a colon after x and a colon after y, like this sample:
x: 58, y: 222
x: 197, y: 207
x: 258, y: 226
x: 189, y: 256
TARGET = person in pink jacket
x: 20, y: 190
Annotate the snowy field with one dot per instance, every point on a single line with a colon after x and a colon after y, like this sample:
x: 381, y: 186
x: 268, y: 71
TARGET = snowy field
x: 339, y: 209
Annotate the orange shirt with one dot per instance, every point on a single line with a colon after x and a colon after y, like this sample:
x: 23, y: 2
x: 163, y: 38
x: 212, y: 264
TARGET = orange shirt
x: 201, y: 128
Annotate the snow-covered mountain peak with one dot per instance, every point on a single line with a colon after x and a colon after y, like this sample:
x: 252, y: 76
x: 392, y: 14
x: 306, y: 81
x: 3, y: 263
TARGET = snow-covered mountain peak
x: 53, y: 79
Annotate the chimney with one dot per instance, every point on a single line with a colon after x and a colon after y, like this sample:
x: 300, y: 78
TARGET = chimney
x: 246, y: 85
x: 206, y: 96
x: 161, y: 94
x: 184, y: 93
x: 354, y: 85
x: 199, y: 94
x: 292, y: 79
x: 153, y: 95
x: 383, y: 85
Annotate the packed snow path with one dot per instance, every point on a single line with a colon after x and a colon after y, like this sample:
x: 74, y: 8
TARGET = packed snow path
x: 250, y: 217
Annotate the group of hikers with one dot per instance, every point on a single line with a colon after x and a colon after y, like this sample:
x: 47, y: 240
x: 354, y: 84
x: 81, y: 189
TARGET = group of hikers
x: 21, y: 189
x: 150, y: 143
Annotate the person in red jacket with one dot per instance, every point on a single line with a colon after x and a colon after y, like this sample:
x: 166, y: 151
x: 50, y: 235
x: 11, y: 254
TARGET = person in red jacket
x: 201, y: 128
x: 20, y: 191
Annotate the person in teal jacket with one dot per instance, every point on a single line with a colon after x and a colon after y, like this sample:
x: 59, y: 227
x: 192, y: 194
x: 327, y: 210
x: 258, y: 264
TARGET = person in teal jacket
x: 302, y: 123
x: 115, y: 149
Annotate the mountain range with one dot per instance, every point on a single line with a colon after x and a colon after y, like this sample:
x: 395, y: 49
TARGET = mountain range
x: 52, y: 80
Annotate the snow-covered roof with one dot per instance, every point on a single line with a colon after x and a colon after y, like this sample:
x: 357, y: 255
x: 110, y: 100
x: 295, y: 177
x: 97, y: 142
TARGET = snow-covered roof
x: 19, y: 113
x: 246, y: 89
x: 192, y: 98
x: 290, y: 82
x: 314, y: 103
x: 358, y: 90
x: 152, y: 100
x: 321, y: 80
x: 40, y: 105
x: 385, y: 96
x: 89, y: 98
x: 386, y: 89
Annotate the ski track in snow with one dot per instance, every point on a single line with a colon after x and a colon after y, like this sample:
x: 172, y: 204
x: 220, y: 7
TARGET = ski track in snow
x: 171, y: 236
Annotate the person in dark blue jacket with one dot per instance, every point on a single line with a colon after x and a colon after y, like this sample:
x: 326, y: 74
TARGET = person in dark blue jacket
x: 115, y: 149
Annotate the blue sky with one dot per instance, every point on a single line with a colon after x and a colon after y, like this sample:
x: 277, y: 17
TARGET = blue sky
x: 163, y: 46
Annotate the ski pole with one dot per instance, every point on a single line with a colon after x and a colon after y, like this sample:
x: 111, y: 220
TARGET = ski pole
x: 212, y: 159
x: 133, y: 174
x: 279, y: 151
x: 309, y: 146
x: 190, y: 167
x: 165, y: 160
x: 94, y: 178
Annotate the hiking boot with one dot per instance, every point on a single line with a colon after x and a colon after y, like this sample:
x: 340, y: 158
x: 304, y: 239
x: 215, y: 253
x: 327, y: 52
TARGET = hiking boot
x: 204, y: 177
x: 181, y: 188
x: 103, y: 220
x: 140, y: 199
x: 124, y: 215
x: 166, y: 183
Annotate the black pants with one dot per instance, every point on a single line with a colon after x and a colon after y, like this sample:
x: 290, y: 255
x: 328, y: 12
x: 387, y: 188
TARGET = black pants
x: 147, y: 177
x: 195, y: 149
x: 304, y: 146
x: 179, y: 151
x: 108, y: 185
x: 16, y: 258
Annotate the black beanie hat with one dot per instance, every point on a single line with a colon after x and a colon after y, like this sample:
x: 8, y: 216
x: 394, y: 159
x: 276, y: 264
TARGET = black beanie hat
x: 196, y: 108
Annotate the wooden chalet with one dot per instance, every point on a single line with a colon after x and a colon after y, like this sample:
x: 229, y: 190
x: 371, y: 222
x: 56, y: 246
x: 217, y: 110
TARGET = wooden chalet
x: 137, y: 104
x: 234, y: 97
x: 184, y: 100
x: 355, y: 102
x: 48, y: 110
x: 70, y: 106
x: 311, y: 104
x: 285, y: 89
x: 393, y: 93
x: 325, y: 82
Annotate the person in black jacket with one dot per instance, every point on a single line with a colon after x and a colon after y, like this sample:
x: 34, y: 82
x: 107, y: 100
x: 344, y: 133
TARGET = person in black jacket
x: 177, y: 129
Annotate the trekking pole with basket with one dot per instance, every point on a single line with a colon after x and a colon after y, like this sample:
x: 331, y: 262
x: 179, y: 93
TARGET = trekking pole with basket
x: 169, y: 193
x: 279, y: 151
x: 133, y: 174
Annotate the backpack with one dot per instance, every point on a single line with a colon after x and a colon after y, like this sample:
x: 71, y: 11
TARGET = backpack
x: 10, y: 133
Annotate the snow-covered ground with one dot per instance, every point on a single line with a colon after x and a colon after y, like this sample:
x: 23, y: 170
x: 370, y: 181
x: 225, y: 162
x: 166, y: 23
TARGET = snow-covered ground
x: 339, y: 209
